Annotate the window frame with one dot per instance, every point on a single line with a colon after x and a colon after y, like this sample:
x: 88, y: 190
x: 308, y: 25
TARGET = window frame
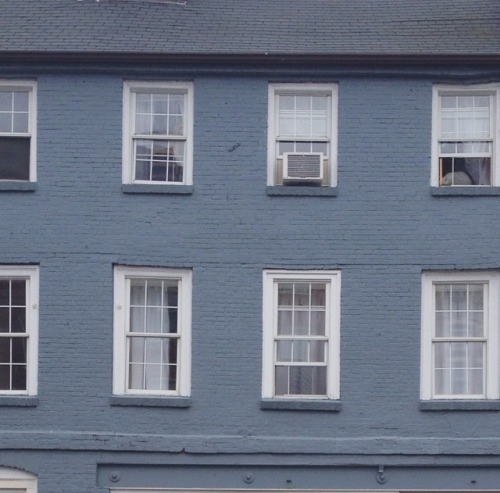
x: 492, y: 383
x: 277, y: 89
x: 30, y: 86
x: 122, y: 275
x: 31, y: 275
x: 439, y: 90
x: 271, y: 278
x: 130, y: 88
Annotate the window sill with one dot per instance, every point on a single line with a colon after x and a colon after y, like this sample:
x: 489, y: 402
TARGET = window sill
x: 459, y: 405
x: 18, y: 186
x: 298, y: 405
x: 18, y: 401
x: 465, y: 191
x: 161, y: 189
x: 147, y: 401
x: 301, y: 191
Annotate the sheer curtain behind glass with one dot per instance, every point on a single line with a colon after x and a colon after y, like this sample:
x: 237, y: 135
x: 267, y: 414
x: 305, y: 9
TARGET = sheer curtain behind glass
x: 459, y: 339
x: 301, y: 340
x: 153, y: 335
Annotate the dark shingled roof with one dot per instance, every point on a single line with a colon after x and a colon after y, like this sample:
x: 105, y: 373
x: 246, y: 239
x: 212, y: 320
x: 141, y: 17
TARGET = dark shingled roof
x: 467, y: 28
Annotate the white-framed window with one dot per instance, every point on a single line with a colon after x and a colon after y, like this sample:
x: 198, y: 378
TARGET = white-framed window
x: 158, y: 133
x: 302, y: 134
x: 18, y: 330
x: 460, y: 335
x: 16, y: 481
x: 301, y: 330
x: 17, y: 130
x: 465, y: 126
x: 152, y: 331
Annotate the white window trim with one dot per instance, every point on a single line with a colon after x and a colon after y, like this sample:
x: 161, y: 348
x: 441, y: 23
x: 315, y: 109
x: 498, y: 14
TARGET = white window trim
x: 31, y: 275
x: 492, y: 280
x: 16, y: 479
x: 121, y: 310
x: 131, y: 87
x: 444, y: 89
x: 270, y: 277
x: 31, y: 87
x: 306, y: 88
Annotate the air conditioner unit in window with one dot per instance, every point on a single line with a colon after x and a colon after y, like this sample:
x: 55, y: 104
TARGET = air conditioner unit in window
x: 302, y: 167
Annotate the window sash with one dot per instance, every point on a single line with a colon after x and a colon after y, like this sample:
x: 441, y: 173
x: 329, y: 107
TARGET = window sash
x: 460, y: 336
x: 301, y: 361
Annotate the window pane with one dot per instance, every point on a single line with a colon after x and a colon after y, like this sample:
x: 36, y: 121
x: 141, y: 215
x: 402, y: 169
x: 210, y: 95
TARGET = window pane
x: 476, y: 382
x: 18, y: 292
x: 443, y: 324
x: 136, y: 376
x: 19, y: 350
x: 5, y: 350
x: 476, y: 296
x: 20, y: 123
x: 300, y: 351
x: 152, y: 377
x: 285, y: 294
x: 6, y: 101
x: 459, y: 324
x: 18, y: 377
x: 18, y: 320
x: 459, y: 381
x: 308, y: 380
x: 21, y: 101
x: 283, y: 351
x: 280, y: 380
x: 285, y: 322
x: 302, y: 294
x: 459, y: 297
x: 153, y: 350
x: 476, y: 324
x: 6, y: 122
x: 4, y: 320
x: 301, y: 323
x: 154, y: 293
x: 14, y: 158
x: 169, y: 321
x: 442, y: 382
x: 442, y: 296
x: 137, y: 348
x: 318, y: 295
x: 169, y: 377
x: 137, y: 292
x: 5, y: 377
x: 170, y: 348
x: 170, y: 293
x: 318, y: 323
x: 317, y: 351
x: 153, y: 320
x: 137, y: 319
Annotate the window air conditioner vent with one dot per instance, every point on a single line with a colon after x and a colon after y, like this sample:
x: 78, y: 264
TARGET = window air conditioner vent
x: 302, y: 167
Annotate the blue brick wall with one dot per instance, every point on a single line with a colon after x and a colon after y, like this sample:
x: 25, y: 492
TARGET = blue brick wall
x: 381, y: 230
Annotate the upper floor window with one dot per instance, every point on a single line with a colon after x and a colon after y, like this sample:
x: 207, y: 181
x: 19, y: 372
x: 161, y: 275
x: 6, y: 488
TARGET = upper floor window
x: 17, y: 130
x: 16, y: 481
x: 18, y: 330
x: 158, y: 133
x: 460, y: 335
x: 302, y: 134
x: 465, y: 136
x: 152, y: 334
x: 301, y: 316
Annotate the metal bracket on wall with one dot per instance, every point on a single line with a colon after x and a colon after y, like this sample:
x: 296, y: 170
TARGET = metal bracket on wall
x: 380, y: 476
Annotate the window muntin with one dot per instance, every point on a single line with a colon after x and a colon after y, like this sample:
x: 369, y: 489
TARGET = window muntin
x: 465, y: 146
x: 158, y: 133
x: 17, y: 131
x: 18, y: 330
x: 301, y: 331
x: 459, y: 337
x: 301, y: 120
x: 152, y: 331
